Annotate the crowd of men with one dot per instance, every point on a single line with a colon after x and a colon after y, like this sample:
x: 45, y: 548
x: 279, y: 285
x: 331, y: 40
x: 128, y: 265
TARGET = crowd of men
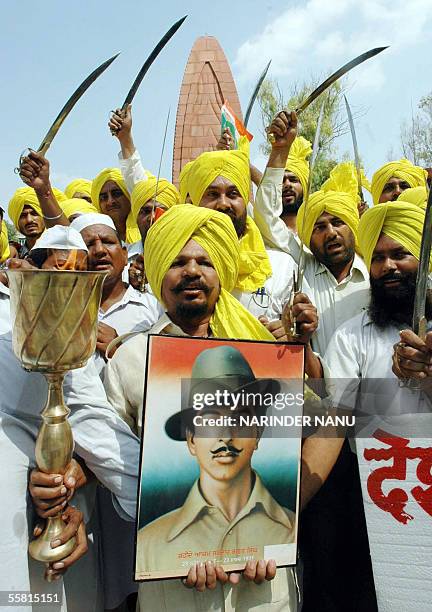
x: 208, y: 260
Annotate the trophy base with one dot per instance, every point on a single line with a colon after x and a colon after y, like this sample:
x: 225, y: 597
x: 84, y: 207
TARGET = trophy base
x: 40, y: 548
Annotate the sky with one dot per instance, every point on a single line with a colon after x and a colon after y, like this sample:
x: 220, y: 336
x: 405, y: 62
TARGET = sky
x: 48, y: 48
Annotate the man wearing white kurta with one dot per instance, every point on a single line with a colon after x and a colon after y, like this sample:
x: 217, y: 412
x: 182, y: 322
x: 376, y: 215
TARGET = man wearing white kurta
x: 123, y: 308
x: 362, y: 359
x: 336, y: 299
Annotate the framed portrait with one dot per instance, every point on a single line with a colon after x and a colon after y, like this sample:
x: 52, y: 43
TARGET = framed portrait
x: 220, y: 455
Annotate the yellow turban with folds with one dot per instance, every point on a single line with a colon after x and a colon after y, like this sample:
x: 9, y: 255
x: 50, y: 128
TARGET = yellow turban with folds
x: 144, y: 191
x: 255, y: 265
x: 27, y: 196
x: 297, y: 160
x: 74, y: 206
x: 415, y: 195
x: 184, y: 181
x: 338, y: 196
x: 4, y: 243
x: 215, y: 233
x: 79, y: 185
x: 114, y: 174
x: 401, y: 221
x: 402, y: 169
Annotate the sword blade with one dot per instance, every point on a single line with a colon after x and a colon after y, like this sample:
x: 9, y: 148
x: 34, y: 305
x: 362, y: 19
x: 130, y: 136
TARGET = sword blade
x: 419, y: 312
x: 315, y: 150
x: 149, y: 61
x: 337, y: 75
x: 355, y: 147
x: 255, y: 93
x: 58, y: 122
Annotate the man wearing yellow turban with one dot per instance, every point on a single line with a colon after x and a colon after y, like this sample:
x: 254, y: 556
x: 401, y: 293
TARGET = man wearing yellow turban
x: 79, y: 188
x: 365, y: 352
x: 220, y: 180
x: 393, y: 178
x: 337, y: 282
x: 193, y: 259
x: 111, y: 197
x: 335, y: 277
x: 149, y: 195
x: 26, y: 214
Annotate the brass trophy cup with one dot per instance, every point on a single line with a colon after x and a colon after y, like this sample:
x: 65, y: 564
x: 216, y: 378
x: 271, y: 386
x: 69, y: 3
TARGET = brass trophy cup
x: 55, y: 316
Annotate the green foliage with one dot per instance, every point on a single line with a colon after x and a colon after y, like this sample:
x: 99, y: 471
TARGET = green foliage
x: 416, y: 134
x: 11, y: 230
x: 334, y: 123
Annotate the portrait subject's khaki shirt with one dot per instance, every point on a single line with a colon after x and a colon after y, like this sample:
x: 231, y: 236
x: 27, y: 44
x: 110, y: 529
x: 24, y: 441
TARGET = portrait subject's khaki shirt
x: 199, y: 531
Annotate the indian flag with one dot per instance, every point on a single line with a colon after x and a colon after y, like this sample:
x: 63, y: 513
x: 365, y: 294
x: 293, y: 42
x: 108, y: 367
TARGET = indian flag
x: 233, y: 123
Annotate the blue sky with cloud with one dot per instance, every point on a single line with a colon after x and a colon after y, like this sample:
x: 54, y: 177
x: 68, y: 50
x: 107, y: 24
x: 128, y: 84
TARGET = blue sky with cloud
x: 48, y: 48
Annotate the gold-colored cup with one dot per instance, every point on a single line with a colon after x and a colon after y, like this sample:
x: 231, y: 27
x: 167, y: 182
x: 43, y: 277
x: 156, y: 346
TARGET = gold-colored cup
x: 55, y: 316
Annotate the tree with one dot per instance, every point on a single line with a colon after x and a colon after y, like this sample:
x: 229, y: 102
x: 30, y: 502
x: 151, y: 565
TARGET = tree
x: 11, y: 230
x: 334, y: 123
x: 416, y: 134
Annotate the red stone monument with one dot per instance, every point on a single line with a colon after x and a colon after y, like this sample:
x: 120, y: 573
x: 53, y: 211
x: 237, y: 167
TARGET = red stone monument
x: 207, y: 82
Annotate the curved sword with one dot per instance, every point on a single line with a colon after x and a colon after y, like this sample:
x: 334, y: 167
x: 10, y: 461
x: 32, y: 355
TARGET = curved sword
x: 333, y: 78
x: 255, y: 93
x: 419, y: 313
x: 297, y: 285
x: 58, y: 122
x: 149, y: 61
x: 355, y: 147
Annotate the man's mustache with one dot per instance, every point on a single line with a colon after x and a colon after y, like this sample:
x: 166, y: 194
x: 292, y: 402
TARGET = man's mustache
x: 227, y: 448
x: 393, y: 276
x: 191, y: 284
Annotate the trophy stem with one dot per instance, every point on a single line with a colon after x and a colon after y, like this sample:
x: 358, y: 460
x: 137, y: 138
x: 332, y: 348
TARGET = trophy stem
x: 53, y: 452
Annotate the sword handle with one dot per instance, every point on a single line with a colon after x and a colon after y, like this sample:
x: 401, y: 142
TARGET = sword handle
x: 270, y: 136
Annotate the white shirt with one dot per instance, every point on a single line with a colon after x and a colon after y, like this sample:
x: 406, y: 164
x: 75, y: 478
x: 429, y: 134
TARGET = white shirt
x: 134, y: 312
x: 124, y: 383
x: 268, y: 209
x: 275, y: 289
x: 335, y: 302
x: 132, y: 170
x: 360, y: 353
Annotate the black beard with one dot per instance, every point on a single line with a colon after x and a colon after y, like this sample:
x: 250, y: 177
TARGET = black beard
x: 239, y: 223
x: 292, y: 209
x: 390, y: 307
x: 187, y: 311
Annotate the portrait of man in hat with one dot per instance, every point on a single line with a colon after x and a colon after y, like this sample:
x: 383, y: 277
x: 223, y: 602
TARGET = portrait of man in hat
x: 229, y: 516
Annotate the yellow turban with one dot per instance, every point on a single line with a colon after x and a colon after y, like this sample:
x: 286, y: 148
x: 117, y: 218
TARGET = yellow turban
x: 144, y: 191
x: 114, y: 174
x: 255, y: 265
x: 401, y: 221
x: 215, y: 233
x: 338, y: 196
x: 79, y: 185
x: 184, y: 182
x: 73, y: 206
x: 4, y: 243
x: 297, y: 160
x: 233, y: 165
x: 415, y: 195
x: 402, y: 169
x: 27, y: 196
